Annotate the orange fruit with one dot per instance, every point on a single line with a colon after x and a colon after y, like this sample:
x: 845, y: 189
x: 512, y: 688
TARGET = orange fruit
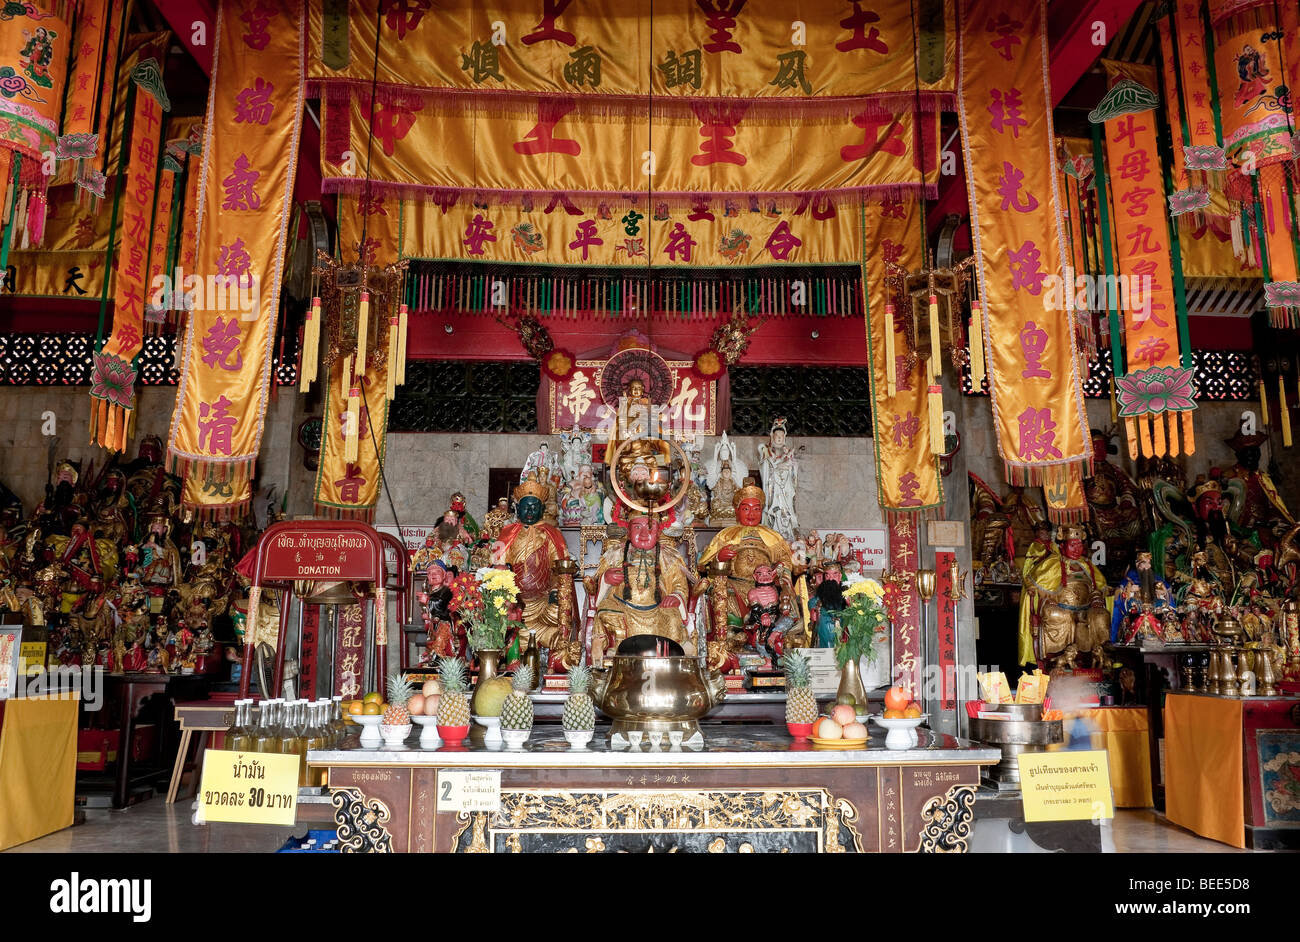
x: 913, y: 710
x: 355, y: 707
x: 894, y: 714
x: 373, y: 698
x: 371, y: 709
x: 896, y: 698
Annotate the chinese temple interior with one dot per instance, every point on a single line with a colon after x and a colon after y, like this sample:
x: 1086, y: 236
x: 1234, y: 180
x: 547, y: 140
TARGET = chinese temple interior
x: 880, y: 403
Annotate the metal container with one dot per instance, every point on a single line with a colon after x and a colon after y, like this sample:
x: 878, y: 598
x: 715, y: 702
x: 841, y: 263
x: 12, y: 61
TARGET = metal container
x: 656, y: 694
x: 1023, y: 731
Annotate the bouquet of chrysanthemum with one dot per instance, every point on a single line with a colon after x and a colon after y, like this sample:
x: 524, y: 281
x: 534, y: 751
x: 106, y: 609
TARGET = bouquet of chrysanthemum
x: 486, y: 600
x: 862, y: 623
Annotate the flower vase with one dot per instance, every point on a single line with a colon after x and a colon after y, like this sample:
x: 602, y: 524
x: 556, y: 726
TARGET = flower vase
x: 488, y: 662
x: 851, y: 684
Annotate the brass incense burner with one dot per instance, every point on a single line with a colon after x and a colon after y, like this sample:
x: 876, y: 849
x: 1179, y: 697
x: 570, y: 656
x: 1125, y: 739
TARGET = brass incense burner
x: 656, y: 698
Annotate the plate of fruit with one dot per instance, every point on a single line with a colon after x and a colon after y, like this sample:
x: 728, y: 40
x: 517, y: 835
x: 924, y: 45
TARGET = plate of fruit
x: 839, y: 730
x: 901, y: 718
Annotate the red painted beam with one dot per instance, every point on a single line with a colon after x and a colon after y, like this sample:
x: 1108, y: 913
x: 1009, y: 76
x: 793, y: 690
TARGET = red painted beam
x: 1072, y: 51
x: 840, y: 341
x: 183, y: 16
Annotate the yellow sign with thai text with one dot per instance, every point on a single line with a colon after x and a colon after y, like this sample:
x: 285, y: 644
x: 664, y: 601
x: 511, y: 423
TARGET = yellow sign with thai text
x: 1066, y: 786
x: 249, y: 787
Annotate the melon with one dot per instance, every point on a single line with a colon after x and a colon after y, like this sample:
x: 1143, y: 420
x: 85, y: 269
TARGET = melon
x: 490, y: 696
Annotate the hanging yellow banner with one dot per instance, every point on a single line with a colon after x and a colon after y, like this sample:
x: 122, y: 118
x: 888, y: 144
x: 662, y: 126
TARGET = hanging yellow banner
x: 87, y: 63
x: 350, y: 489
x: 735, y: 233
x: 70, y: 263
x: 249, y: 158
x: 34, y: 47
x: 1015, y: 221
x: 557, y: 157
x: 771, y: 52
x: 1249, y: 66
x: 907, y: 473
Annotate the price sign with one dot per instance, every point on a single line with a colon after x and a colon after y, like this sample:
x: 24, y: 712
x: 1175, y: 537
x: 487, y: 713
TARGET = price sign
x: 1066, y: 786
x: 469, y: 790
x: 249, y: 787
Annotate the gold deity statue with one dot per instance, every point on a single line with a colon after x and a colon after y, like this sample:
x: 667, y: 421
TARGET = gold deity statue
x: 641, y: 587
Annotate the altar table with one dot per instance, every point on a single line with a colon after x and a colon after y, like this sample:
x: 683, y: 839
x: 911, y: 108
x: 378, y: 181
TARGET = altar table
x: 746, y: 790
x: 38, y: 767
x: 1231, y: 764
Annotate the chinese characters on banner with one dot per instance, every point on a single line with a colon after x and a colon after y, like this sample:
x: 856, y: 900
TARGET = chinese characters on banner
x: 743, y: 50
x: 946, y: 627
x: 88, y: 57
x: 350, y: 489
x: 691, y: 411
x: 350, y: 651
x: 905, y: 617
x: 112, y: 379
x: 249, y: 159
x: 907, y: 473
x: 1141, y: 233
x: 1034, y: 379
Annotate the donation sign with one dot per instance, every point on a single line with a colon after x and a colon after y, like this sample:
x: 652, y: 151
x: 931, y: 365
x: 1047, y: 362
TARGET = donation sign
x: 469, y: 790
x: 1066, y: 786
x: 249, y: 787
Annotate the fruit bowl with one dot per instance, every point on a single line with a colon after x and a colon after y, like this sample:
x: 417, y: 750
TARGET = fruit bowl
x: 491, y: 727
x: 429, y: 738
x: 452, y: 736
x: 394, y: 735
x: 901, y: 730
x: 369, y: 723
x: 855, y: 743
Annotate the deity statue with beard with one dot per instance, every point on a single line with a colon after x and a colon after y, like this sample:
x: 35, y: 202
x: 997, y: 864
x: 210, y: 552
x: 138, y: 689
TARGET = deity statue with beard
x: 641, y: 588
x: 531, y: 547
x: 1114, y: 506
x: 1262, y: 505
x: 826, y: 604
x: 1064, y: 599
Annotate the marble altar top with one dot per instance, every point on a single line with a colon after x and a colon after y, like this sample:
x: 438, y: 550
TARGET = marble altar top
x: 723, y: 746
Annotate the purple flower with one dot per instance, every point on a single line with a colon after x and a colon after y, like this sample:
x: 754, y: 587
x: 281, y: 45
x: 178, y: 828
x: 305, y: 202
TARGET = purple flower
x: 1186, y: 201
x: 1156, y: 389
x: 113, y: 379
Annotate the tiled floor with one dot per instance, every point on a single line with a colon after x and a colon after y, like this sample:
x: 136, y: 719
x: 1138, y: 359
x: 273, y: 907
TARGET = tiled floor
x: 156, y: 827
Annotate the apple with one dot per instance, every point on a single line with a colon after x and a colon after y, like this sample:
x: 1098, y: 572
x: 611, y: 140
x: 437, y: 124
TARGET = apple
x: 843, y: 714
x: 855, y: 730
x: 827, y: 728
x: 896, y: 698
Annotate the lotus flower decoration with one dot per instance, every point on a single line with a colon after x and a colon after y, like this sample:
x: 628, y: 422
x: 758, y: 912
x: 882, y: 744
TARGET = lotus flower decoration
x: 1188, y: 201
x: 1156, y: 389
x: 1204, y: 157
x: 113, y: 379
x: 78, y: 146
x: 1282, y: 294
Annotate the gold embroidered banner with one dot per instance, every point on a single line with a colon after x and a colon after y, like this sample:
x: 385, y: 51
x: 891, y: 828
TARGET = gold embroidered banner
x: 249, y: 157
x: 1139, y: 213
x: 112, y: 379
x: 907, y: 474
x: 214, y: 498
x: 34, y: 47
x: 1248, y: 67
x: 350, y: 489
x: 71, y: 262
x: 1189, y: 99
x: 87, y: 63
x: 734, y: 232
x: 770, y: 52
x: 553, y: 155
x: 385, y: 219
x: 1015, y: 222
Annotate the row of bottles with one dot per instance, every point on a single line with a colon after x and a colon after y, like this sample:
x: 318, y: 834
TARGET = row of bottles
x: 291, y: 727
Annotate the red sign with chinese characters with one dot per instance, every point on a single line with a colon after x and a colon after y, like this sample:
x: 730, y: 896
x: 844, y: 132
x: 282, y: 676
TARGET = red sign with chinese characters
x: 350, y: 652
x: 290, y: 553
x: 947, y: 627
x: 691, y: 410
x: 309, y: 659
x: 906, y: 617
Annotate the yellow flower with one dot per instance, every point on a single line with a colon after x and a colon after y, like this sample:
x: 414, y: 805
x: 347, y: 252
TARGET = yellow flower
x: 868, y: 587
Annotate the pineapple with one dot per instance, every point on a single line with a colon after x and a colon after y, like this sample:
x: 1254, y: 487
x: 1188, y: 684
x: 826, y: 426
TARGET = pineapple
x: 800, y: 704
x: 579, y: 711
x: 517, y: 711
x: 400, y: 691
x: 453, y: 705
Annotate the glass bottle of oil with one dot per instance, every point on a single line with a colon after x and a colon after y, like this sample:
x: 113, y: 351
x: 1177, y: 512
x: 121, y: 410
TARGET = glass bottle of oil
x: 239, y: 737
x: 318, y: 735
x: 292, y: 742
x: 266, y: 737
x: 336, y: 720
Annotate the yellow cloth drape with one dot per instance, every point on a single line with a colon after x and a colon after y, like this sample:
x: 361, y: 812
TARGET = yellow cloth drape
x: 38, y: 768
x: 716, y: 151
x: 249, y: 160
x: 1015, y: 221
x: 907, y: 473
x: 1123, y: 733
x: 1203, y: 767
x: 501, y: 52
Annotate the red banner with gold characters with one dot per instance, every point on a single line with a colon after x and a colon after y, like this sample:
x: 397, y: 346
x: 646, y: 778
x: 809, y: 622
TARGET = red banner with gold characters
x: 249, y: 158
x: 1006, y: 120
x: 112, y: 379
x: 903, y: 604
x: 814, y: 54
x: 907, y: 472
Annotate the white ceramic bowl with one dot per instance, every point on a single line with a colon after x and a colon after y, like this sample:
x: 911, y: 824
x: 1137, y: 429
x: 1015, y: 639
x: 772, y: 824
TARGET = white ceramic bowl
x: 901, y: 730
x: 395, y: 735
x: 370, y: 736
x: 491, y: 726
x: 515, y: 738
x: 429, y: 738
x: 578, y: 738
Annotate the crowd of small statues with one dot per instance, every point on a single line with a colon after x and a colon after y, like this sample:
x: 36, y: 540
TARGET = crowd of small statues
x: 114, y: 573
x: 1161, y: 560
x: 756, y: 588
